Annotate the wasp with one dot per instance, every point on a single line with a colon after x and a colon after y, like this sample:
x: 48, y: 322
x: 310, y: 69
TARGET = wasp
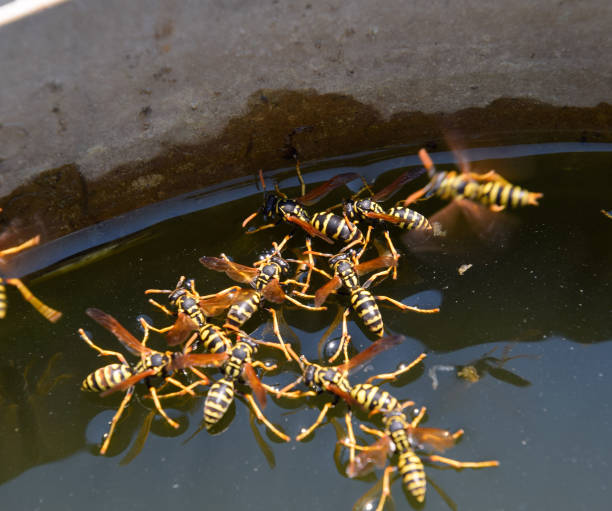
x: 346, y: 270
x: 191, y: 312
x: 489, y: 189
x: 123, y: 376
x: 404, y: 437
x: 238, y: 363
x: 371, y: 213
x: 319, y: 378
x: 46, y: 311
x: 279, y: 207
x: 265, y: 281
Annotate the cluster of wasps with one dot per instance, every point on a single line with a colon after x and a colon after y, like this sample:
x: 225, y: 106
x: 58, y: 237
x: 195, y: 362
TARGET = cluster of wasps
x: 271, y: 281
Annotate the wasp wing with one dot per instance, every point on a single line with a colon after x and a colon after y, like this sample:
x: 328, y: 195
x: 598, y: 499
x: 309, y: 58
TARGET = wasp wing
x: 324, y: 291
x: 322, y: 190
x: 234, y: 271
x: 119, y: 331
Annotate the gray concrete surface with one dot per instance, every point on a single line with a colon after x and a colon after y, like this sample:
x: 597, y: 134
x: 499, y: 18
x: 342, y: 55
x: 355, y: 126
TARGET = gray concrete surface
x: 101, y: 84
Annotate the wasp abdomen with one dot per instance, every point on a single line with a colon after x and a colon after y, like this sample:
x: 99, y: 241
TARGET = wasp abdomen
x: 106, y: 377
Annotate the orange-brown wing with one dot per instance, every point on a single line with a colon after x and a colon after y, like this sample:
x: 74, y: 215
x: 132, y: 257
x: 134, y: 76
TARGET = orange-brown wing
x: 199, y: 360
x: 365, y: 461
x: 129, y: 382
x: 383, y: 261
x: 308, y: 228
x: 181, y: 329
x: 383, y: 216
x: 344, y: 395
x: 325, y: 290
x: 273, y: 292
x: 405, y: 178
x: 374, y: 349
x: 234, y: 271
x: 251, y: 378
x: 322, y: 190
x: 432, y: 438
x: 112, y: 325
x: 216, y: 305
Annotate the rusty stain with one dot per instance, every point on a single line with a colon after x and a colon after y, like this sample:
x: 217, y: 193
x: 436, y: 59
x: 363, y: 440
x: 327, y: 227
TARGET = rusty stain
x: 258, y: 139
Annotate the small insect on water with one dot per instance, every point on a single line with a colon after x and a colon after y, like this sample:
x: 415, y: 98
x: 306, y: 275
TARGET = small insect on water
x: 489, y: 189
x: 123, y: 376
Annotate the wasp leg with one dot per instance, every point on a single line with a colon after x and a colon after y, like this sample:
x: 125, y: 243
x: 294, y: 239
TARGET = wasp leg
x: 298, y: 171
x: 488, y: 176
x: 26, y: 244
x: 161, y: 410
x: 260, y: 416
x: 220, y: 293
x: 351, y: 435
x: 261, y: 228
x: 393, y: 253
x: 278, y: 334
x: 461, y: 464
x: 316, y: 423
x: 160, y: 306
x: 103, y: 352
x: 344, y: 340
x: 49, y: 313
x: 118, y: 413
x: 365, y: 243
x: 187, y: 390
x: 415, y: 196
x: 408, y: 307
x: 372, y: 278
x: 400, y: 371
x: 303, y: 305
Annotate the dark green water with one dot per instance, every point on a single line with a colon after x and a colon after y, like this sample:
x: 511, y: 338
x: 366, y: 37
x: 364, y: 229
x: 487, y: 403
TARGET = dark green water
x: 539, y: 286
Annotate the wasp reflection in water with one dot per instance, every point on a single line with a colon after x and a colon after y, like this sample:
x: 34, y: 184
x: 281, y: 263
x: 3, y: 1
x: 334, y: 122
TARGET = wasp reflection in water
x: 29, y: 427
x: 477, y: 369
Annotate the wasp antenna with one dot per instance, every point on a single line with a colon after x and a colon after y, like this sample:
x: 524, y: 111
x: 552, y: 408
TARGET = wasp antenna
x: 261, y: 179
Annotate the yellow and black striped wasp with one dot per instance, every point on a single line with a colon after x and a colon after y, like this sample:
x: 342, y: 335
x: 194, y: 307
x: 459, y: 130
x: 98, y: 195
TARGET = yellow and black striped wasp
x: 405, y: 437
x: 238, y: 364
x: 347, y: 269
x: 369, y: 212
x: 322, y: 225
x: 191, y: 313
x: 46, y: 311
x: 123, y: 376
x: 489, y: 189
x: 320, y: 378
x: 266, y: 283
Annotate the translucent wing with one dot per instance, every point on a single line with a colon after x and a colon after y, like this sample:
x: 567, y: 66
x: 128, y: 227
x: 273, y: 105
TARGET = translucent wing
x: 308, y: 228
x: 216, y: 305
x: 251, y: 378
x: 119, y: 331
x: 273, y: 292
x: 234, y: 271
x: 374, y: 349
x: 374, y: 456
x: 383, y: 261
x: 181, y: 329
x: 324, y: 291
x: 432, y: 438
x: 322, y: 190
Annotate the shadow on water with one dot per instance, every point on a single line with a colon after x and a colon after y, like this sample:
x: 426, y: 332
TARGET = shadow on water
x: 530, y: 316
